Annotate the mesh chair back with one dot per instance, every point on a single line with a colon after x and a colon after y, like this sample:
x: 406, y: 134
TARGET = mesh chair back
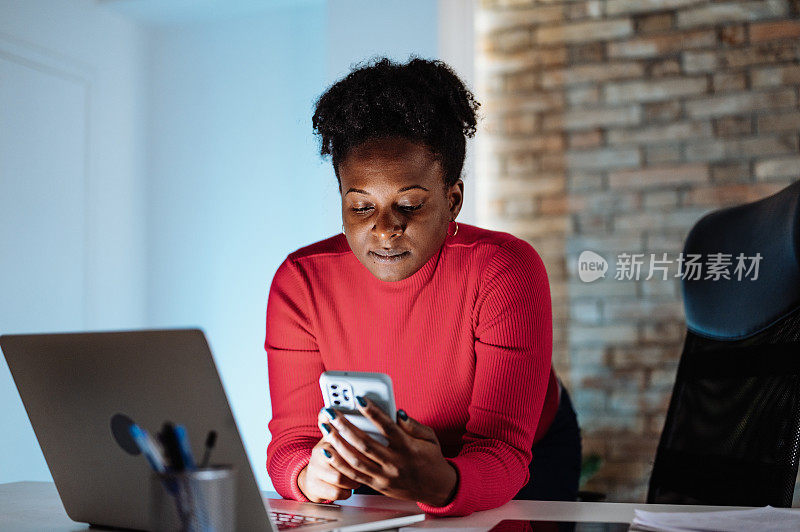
x: 732, y: 430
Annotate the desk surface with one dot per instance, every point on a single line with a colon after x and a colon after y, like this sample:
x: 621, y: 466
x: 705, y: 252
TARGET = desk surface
x: 29, y: 506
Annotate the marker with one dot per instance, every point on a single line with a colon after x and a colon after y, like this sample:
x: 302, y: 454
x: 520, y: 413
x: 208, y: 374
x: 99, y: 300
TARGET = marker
x: 211, y: 439
x: 172, y: 449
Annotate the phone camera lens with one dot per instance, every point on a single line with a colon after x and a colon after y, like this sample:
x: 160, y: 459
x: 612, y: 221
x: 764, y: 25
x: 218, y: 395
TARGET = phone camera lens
x: 334, y: 386
x: 337, y: 402
x: 335, y: 394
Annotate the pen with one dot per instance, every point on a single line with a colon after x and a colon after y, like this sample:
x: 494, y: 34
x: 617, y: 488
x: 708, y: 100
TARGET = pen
x: 149, y: 448
x: 185, y: 449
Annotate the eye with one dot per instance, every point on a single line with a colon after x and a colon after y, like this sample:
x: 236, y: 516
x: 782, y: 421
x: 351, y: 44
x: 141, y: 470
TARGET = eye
x: 406, y: 208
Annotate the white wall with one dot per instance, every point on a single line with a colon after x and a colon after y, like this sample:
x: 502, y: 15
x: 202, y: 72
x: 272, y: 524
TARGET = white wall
x: 234, y: 185
x: 360, y: 29
x: 235, y: 180
x: 201, y: 170
x: 71, y: 194
x: 456, y: 20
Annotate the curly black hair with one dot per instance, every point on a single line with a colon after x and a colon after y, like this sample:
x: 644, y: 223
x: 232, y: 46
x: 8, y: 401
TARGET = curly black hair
x: 422, y: 101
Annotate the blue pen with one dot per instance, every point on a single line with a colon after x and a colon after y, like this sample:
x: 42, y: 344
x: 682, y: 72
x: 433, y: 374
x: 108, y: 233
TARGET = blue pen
x: 185, y: 448
x: 149, y: 448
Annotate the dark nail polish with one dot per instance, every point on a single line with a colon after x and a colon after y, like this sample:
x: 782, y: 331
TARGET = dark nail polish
x: 326, y: 453
x: 361, y: 401
x: 326, y: 428
x: 331, y: 413
x: 402, y: 415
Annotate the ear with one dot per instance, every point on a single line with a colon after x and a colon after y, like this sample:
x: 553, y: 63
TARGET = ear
x: 455, y: 197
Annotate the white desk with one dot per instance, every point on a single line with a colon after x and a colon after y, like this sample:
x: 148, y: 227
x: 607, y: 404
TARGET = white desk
x: 35, y: 506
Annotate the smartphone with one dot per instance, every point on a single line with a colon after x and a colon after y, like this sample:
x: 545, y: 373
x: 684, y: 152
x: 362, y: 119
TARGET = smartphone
x: 340, y: 389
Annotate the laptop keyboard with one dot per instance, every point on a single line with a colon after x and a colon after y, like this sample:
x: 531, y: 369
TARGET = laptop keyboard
x: 285, y: 521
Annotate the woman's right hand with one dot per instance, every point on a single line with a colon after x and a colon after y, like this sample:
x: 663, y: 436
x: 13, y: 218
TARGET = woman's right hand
x: 320, y: 482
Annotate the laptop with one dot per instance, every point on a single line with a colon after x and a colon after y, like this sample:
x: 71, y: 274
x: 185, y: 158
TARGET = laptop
x: 77, y: 386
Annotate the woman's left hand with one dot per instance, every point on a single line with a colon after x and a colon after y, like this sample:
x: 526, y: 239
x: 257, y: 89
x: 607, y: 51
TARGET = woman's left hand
x: 411, y: 467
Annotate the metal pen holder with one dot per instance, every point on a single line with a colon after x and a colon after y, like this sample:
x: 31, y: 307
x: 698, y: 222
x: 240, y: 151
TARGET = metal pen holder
x: 201, y: 500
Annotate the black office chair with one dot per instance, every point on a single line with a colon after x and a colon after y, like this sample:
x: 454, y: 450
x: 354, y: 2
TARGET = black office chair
x: 732, y: 430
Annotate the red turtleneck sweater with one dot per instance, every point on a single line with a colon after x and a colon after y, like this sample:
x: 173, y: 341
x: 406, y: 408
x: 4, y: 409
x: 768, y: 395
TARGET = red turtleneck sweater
x: 466, y: 339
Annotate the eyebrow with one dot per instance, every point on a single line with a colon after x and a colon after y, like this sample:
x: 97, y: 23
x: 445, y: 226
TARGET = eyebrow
x: 349, y: 190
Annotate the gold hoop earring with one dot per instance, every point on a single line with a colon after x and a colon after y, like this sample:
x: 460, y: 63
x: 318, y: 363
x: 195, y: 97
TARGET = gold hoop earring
x: 456, y: 231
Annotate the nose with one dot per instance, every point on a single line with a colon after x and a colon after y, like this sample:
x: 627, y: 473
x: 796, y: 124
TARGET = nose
x: 387, y: 226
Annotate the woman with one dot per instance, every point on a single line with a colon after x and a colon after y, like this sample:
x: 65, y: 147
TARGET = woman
x: 458, y: 316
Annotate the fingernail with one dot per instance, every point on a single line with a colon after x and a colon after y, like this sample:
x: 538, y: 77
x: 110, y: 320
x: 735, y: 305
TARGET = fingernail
x: 361, y: 401
x: 331, y: 413
x: 326, y: 453
x: 402, y: 415
x: 326, y: 428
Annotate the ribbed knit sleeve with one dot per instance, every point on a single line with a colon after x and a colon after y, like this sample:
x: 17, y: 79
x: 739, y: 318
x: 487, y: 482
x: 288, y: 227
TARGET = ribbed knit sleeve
x: 294, y: 366
x: 513, y: 349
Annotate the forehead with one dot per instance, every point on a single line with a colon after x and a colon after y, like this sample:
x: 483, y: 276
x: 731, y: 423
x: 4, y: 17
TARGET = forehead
x: 393, y: 161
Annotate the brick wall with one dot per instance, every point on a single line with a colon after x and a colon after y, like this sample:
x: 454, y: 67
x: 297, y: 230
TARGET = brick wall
x: 613, y: 126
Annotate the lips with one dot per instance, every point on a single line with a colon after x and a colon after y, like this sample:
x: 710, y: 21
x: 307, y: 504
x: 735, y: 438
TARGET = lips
x: 388, y: 256
x: 389, y: 253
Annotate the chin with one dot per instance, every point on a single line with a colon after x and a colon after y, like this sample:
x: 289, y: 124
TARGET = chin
x: 389, y: 272
x: 389, y: 275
